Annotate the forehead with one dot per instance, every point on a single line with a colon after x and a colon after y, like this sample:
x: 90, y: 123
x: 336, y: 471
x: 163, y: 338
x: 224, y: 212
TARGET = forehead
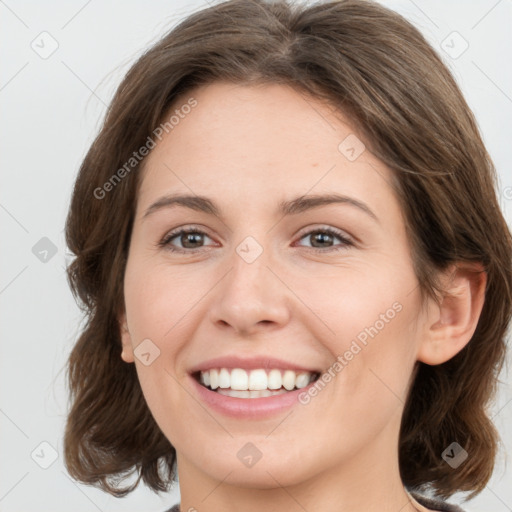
x: 260, y: 141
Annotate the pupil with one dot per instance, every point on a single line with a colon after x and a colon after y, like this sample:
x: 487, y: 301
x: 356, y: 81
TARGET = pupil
x: 189, y: 238
x: 322, y: 237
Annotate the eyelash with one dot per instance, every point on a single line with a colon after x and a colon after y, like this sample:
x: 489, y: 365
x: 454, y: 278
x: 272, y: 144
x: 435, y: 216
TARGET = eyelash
x: 165, y: 242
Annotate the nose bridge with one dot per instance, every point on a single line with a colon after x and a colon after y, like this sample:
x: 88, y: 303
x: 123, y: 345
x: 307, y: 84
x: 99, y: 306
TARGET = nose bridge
x: 250, y: 293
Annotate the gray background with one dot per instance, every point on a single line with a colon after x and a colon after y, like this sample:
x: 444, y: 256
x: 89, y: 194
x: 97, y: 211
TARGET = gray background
x: 51, y: 109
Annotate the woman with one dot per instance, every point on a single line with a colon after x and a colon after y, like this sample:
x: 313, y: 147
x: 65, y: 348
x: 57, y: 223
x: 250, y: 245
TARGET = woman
x: 296, y: 274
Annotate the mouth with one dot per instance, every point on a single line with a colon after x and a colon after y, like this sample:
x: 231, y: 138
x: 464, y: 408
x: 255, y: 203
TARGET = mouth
x: 254, y: 383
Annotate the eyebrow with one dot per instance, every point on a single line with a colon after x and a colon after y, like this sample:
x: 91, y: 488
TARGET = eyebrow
x: 290, y: 207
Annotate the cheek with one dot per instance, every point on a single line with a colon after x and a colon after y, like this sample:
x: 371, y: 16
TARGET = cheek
x: 368, y: 391
x: 361, y: 302
x: 163, y: 306
x: 377, y: 358
x: 371, y: 315
x: 159, y: 299
x: 159, y: 309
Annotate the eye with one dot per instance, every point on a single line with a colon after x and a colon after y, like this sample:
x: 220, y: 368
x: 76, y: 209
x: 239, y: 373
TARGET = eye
x: 188, y: 237
x: 191, y: 239
x: 324, y: 236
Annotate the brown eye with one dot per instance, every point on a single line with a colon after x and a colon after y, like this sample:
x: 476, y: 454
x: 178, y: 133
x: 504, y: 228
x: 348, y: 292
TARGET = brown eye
x: 322, y: 239
x: 190, y: 240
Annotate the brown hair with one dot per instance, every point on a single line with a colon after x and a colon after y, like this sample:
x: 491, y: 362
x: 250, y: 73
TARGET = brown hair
x: 375, y: 67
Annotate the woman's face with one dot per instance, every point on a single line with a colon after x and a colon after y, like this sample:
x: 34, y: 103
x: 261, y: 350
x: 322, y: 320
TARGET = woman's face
x: 274, y: 280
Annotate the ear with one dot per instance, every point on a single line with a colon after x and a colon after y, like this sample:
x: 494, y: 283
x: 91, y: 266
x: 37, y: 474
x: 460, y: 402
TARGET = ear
x: 126, y: 340
x: 451, y: 324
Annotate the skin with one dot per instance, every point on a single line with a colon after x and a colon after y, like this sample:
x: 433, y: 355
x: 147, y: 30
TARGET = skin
x: 248, y: 148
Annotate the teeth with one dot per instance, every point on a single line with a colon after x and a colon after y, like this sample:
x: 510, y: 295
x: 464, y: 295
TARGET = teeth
x: 214, y: 379
x: 257, y: 380
x: 224, y: 378
x: 250, y: 394
x: 239, y: 379
x: 254, y: 383
x: 302, y: 380
x: 274, y: 379
x: 289, y: 380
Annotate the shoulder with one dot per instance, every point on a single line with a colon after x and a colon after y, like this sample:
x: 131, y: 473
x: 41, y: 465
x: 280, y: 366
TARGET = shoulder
x: 434, y: 504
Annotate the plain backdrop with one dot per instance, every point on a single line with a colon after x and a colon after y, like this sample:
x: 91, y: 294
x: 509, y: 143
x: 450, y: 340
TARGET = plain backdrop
x: 60, y: 64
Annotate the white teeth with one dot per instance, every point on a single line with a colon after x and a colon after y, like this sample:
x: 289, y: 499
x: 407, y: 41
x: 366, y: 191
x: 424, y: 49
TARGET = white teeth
x: 258, y: 380
x: 274, y: 379
x: 224, y: 378
x: 302, y: 380
x: 214, y: 379
x: 250, y: 394
x: 239, y: 379
x: 289, y: 380
x: 254, y: 383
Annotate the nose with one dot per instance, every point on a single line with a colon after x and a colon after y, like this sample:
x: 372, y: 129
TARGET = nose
x: 250, y: 297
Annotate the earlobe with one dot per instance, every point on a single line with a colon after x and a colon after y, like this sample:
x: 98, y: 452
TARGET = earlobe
x: 126, y: 341
x: 454, y: 321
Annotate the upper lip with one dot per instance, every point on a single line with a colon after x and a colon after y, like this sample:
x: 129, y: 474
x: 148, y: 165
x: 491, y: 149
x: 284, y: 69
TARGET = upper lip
x: 252, y: 363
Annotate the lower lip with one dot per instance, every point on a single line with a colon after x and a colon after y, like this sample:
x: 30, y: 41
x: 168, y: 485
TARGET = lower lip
x: 251, y: 408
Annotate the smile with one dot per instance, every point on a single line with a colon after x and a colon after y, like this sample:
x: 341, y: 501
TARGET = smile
x: 272, y: 385
x: 255, y: 383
